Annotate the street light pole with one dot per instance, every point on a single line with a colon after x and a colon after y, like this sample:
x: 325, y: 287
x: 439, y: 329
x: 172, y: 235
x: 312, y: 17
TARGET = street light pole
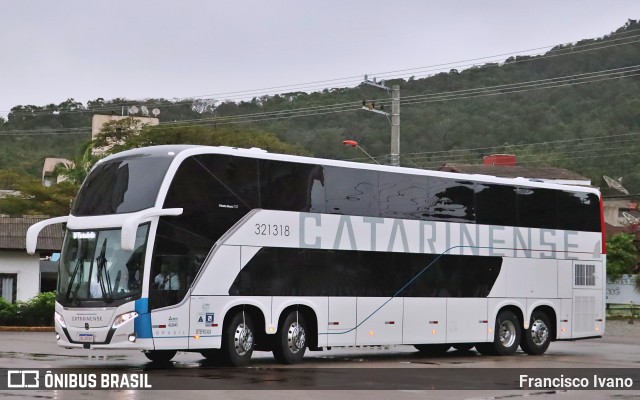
x: 395, y: 126
x: 355, y: 144
x: 394, y: 157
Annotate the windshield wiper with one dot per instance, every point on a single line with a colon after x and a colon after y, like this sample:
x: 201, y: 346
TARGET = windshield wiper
x: 67, y: 296
x: 107, y: 291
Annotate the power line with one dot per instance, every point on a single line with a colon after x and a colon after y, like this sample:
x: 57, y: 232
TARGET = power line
x: 506, y: 86
x: 596, y: 160
x: 349, y: 105
x: 357, y: 79
x: 575, y: 143
x: 533, y: 154
x: 560, y: 155
x: 548, y: 157
x: 498, y: 93
x: 45, y: 132
x: 442, y: 154
x: 565, y: 51
x: 487, y: 91
x: 530, y: 144
x: 503, y: 89
x: 429, y: 70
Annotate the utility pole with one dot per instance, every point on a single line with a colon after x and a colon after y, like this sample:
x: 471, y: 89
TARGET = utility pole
x: 394, y: 157
x: 395, y: 126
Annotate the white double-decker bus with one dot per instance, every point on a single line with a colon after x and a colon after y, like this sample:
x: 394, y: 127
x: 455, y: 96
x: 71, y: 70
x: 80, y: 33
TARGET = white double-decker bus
x: 224, y: 251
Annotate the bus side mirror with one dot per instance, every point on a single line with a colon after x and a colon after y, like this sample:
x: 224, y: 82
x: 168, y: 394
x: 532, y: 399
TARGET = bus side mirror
x: 130, y: 226
x: 34, y: 231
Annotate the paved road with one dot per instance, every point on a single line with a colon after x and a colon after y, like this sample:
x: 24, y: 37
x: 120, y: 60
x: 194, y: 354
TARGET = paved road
x: 392, y: 368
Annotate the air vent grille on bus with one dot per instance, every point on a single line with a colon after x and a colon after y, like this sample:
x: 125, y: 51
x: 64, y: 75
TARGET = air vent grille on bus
x: 584, y: 314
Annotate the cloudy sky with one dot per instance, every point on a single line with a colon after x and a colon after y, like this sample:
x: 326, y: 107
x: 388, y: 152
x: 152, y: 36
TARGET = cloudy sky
x: 54, y: 50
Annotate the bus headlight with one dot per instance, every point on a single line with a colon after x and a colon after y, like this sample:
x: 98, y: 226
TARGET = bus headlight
x: 121, y: 319
x: 60, y: 320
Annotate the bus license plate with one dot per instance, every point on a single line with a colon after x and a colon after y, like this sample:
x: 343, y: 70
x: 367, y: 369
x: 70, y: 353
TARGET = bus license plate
x: 86, y: 337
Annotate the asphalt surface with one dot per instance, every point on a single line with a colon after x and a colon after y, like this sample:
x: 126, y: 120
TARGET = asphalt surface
x: 371, y: 373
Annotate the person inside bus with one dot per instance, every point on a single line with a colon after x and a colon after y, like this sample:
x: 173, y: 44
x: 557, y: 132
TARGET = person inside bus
x: 167, y: 279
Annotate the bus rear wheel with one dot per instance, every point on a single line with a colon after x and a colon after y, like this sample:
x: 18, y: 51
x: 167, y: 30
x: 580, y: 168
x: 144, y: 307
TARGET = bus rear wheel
x: 237, y: 340
x: 432, y: 349
x: 506, y: 337
x: 160, y: 356
x: 291, y: 339
x: 537, y: 338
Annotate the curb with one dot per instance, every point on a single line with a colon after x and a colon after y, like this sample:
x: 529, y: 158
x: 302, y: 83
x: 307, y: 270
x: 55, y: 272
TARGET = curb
x: 27, y: 329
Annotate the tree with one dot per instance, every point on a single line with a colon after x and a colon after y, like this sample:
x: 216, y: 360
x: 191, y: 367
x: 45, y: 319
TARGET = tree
x: 114, y: 134
x: 80, y: 166
x: 621, y: 255
x: 128, y: 138
x: 32, y: 198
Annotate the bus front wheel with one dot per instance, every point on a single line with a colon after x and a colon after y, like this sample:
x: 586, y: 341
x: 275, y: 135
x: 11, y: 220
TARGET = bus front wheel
x: 537, y: 338
x: 291, y: 339
x: 506, y: 337
x: 160, y: 356
x: 237, y: 340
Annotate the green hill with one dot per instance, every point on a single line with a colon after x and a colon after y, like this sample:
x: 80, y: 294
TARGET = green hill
x: 576, y: 106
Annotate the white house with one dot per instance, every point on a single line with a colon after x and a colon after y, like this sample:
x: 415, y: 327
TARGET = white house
x: 21, y: 275
x: 50, y: 163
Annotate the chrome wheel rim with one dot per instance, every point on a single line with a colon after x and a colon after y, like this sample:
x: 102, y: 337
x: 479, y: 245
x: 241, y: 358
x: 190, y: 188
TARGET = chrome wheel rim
x: 507, y: 333
x: 243, y: 339
x: 296, y: 337
x: 539, y: 332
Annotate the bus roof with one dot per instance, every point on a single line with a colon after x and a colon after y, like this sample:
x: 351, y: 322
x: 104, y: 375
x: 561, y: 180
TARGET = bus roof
x: 180, y: 152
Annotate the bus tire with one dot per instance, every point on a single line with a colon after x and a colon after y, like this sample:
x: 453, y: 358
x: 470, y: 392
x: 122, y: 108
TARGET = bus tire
x: 291, y: 339
x: 506, y: 338
x: 432, y: 349
x: 160, y: 356
x: 237, y: 340
x: 537, y: 338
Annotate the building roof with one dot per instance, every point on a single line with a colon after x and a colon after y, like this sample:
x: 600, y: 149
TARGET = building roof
x: 13, y: 232
x: 550, y: 174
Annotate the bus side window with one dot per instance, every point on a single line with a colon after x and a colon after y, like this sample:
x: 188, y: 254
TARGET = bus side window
x: 404, y: 196
x: 537, y: 208
x: 578, y: 211
x: 291, y: 186
x: 496, y: 205
x: 352, y: 191
x: 451, y: 200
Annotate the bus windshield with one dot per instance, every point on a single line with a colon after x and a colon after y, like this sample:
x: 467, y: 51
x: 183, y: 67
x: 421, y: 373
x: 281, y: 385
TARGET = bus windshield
x: 94, y: 268
x: 122, y: 185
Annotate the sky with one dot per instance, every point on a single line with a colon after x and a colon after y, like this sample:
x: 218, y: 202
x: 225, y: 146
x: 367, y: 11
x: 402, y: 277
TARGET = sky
x: 228, y: 50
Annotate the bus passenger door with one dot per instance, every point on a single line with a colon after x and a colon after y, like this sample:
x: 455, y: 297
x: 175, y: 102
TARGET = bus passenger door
x: 341, y: 328
x: 168, y: 287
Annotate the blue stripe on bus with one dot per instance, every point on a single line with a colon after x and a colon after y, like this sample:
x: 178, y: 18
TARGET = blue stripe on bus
x: 142, y: 323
